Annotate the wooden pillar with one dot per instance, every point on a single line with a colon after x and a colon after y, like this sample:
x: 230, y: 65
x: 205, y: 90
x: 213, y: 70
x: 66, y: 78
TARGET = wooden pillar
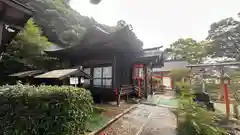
x: 1, y: 36
x: 145, y: 81
x: 151, y: 82
x: 114, y: 73
x: 225, y: 90
x: 226, y: 99
x: 190, y: 76
x: 162, y: 87
x: 92, y: 75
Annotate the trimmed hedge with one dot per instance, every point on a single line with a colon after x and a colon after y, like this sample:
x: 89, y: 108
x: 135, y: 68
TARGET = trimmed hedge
x: 43, y: 110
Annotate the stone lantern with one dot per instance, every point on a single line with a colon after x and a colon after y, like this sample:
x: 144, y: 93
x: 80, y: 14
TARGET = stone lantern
x: 226, y: 79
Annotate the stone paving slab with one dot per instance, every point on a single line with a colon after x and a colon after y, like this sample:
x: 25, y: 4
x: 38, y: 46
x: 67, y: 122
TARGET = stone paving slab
x: 144, y: 120
x: 162, y: 122
x: 130, y: 123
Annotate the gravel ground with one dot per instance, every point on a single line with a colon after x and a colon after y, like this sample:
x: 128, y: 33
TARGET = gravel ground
x: 144, y: 120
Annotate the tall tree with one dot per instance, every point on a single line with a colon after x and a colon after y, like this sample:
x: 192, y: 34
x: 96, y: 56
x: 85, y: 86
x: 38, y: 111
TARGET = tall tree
x: 188, y: 49
x: 60, y: 23
x: 225, y: 37
x: 95, y: 1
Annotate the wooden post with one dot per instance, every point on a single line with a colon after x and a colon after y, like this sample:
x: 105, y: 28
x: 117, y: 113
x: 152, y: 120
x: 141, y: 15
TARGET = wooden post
x: 114, y: 71
x: 139, y: 88
x: 225, y: 90
x: 190, y: 76
x: 118, y: 96
x: 145, y: 81
x: 1, y: 41
x: 226, y: 99
x: 151, y: 82
x: 114, y: 75
x: 162, y: 88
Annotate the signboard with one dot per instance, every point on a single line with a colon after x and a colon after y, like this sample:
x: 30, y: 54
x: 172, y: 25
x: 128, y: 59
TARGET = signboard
x: 74, y: 80
x: 82, y: 80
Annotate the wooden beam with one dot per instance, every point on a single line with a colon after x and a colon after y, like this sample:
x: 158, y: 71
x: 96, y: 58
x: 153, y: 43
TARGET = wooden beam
x: 145, y: 81
x: 1, y: 36
x: 154, y: 48
x: 215, y: 64
x: 114, y: 71
x: 151, y: 81
x: 18, y: 5
x: 96, y: 62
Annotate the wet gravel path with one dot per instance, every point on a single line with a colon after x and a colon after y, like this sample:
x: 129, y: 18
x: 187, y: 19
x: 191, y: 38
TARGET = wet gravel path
x: 144, y: 120
x: 162, y: 122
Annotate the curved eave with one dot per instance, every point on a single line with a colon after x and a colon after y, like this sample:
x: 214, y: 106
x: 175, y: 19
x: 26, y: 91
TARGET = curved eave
x: 18, y: 5
x: 155, y: 61
x: 14, y: 15
x: 97, y: 40
x: 91, y: 38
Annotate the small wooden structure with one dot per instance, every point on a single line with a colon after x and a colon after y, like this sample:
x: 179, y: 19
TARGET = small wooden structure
x: 113, y: 59
x: 62, y: 76
x: 13, y: 16
x: 26, y: 76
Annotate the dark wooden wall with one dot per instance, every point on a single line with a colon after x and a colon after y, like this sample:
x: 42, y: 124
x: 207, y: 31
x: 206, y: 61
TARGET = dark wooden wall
x: 122, y: 65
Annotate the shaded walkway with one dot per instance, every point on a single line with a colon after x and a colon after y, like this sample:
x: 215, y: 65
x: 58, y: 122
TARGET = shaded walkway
x: 144, y: 120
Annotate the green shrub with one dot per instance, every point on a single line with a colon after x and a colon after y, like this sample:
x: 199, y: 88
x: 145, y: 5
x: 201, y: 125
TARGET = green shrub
x: 196, y: 120
x: 185, y: 86
x: 43, y: 110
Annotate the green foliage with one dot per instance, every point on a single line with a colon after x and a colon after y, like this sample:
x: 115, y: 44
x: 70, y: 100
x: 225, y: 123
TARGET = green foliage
x: 196, y: 120
x: 48, y: 110
x: 95, y: 1
x: 179, y: 74
x: 225, y: 38
x: 188, y: 49
x: 97, y: 120
x: 27, y: 46
x: 185, y: 86
x: 234, y: 77
x: 60, y: 23
x: 26, y: 52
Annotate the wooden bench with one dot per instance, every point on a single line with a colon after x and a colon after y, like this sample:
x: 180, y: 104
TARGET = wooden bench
x: 124, y: 90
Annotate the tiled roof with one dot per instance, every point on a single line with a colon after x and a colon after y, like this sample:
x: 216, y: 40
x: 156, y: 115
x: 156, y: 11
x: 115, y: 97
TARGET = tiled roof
x: 56, y: 73
x: 62, y: 73
x: 27, y: 73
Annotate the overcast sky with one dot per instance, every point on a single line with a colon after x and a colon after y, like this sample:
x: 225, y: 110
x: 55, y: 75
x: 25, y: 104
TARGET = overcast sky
x: 161, y: 22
